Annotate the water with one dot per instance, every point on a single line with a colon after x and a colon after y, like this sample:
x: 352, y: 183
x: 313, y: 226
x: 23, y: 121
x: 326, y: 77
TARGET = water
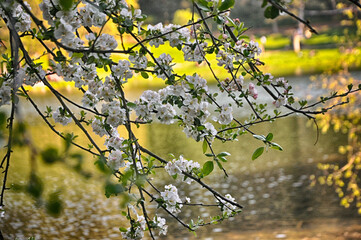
x: 274, y: 189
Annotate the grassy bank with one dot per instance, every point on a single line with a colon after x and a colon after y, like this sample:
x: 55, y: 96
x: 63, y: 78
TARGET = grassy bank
x: 278, y: 63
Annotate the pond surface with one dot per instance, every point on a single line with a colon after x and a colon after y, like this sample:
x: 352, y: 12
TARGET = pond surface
x: 275, y: 190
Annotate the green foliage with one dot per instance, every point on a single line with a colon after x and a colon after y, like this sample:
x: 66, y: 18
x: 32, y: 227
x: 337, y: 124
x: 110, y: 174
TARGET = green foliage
x: 207, y: 168
x: 226, y: 4
x: 113, y: 189
x: 258, y: 152
x: 271, y: 12
x: 35, y: 186
x: 50, y: 155
x: 66, y: 5
x: 54, y: 205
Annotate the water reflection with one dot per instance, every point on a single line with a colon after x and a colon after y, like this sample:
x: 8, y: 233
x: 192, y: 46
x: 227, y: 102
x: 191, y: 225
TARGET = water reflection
x: 273, y: 189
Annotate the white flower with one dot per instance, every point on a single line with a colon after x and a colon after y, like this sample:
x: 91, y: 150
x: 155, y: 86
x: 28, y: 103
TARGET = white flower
x: 116, y: 160
x: 164, y: 68
x: 225, y: 59
x: 281, y: 100
x: 98, y: 127
x: 115, y: 142
x: 225, y: 117
x: 166, y: 113
x: 197, y: 81
x: 161, y: 224
x: 5, y: 93
x: 23, y: 21
x: 227, y: 207
x: 139, y: 61
x: 61, y: 116
x: 195, y: 55
x: 122, y: 70
x: 170, y: 196
x: 115, y: 114
x: 177, y: 166
x: 64, y: 30
x: 252, y: 90
x: 89, y: 100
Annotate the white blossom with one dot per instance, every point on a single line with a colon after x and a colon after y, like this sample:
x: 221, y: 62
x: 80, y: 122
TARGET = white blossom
x: 61, y: 116
x: 161, y: 224
x: 227, y: 207
x: 225, y: 117
x: 177, y: 166
x: 170, y: 196
x: 253, y: 90
x: 116, y: 160
x: 122, y: 71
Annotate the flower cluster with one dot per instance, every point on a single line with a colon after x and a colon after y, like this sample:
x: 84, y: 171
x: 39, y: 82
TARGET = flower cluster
x: 23, y: 22
x: 227, y: 208
x: 176, y: 167
x: 171, y: 198
x: 22, y: 19
x: 62, y: 116
x: 115, y: 114
x: 122, y: 71
x: 225, y: 117
x: 87, y: 56
x: 136, y: 231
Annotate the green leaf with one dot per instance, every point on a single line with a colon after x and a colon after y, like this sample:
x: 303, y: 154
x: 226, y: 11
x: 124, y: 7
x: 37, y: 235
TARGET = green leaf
x: 259, y: 137
x: 50, y: 155
x: 35, y: 186
x: 54, y: 205
x: 66, y: 4
x: 264, y: 3
x: 207, y: 168
x: 223, y: 154
x: 77, y: 55
x: 131, y: 105
x: 226, y: 4
x: 144, y: 75
x: 219, y: 165
x: 123, y: 229
x: 113, y: 189
x: 205, y: 146
x: 269, y: 137
x: 276, y: 146
x: 203, y: 4
x: 271, y: 12
x: 257, y: 153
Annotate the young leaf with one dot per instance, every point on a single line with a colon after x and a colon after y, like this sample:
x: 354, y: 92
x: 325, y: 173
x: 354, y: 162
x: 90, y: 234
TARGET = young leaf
x: 205, y: 146
x: 223, y: 154
x: 207, y: 168
x: 66, y: 4
x: 257, y: 153
x: 226, y: 4
x: 269, y: 137
x: 260, y: 137
x: 276, y: 146
x: 271, y: 12
x: 144, y: 75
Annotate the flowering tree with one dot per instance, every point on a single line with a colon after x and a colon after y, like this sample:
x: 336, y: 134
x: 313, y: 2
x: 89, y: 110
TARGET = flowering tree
x: 74, y: 39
